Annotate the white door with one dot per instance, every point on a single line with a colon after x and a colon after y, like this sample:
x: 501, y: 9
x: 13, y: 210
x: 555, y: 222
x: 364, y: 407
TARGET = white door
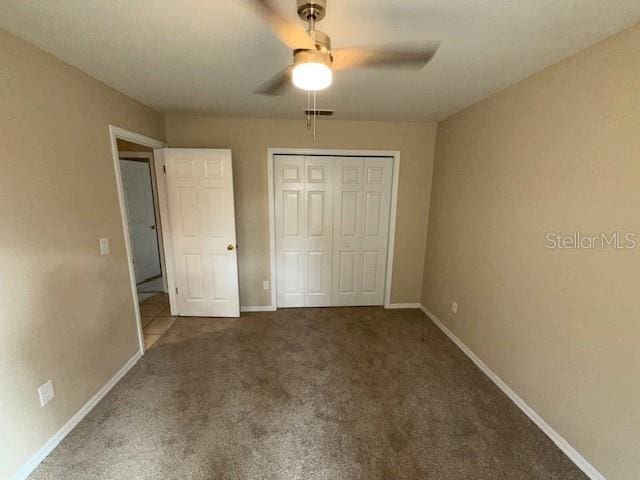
x: 304, y: 205
x: 376, y: 206
x: 202, y: 231
x: 361, y: 229
x: 347, y: 236
x: 136, y: 180
x: 319, y: 209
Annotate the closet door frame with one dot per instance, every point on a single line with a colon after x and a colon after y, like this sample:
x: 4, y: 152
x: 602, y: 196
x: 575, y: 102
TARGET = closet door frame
x: 395, y: 154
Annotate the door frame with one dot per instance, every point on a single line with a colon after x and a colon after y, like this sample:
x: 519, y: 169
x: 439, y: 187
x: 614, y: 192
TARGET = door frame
x: 116, y: 133
x: 395, y: 154
x: 147, y: 157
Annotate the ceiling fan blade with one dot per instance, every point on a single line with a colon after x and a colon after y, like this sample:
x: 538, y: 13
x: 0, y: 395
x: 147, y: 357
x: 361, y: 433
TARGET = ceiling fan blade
x: 277, y: 84
x: 393, y: 57
x: 290, y: 32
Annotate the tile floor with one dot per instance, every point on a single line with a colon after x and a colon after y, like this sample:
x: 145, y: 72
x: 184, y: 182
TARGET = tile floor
x: 156, y: 318
x: 152, y: 285
x: 148, y: 289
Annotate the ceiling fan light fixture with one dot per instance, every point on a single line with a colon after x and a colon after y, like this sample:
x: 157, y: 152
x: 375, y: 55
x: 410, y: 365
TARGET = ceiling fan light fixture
x: 312, y: 76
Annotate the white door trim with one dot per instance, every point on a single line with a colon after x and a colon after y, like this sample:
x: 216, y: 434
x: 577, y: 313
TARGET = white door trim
x: 395, y: 154
x: 116, y: 133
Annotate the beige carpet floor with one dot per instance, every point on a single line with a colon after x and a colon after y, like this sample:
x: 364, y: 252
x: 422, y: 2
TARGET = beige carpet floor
x: 306, y: 394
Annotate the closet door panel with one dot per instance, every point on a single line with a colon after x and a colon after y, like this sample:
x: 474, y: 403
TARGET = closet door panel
x: 319, y: 235
x: 347, y: 221
x: 290, y: 216
x: 378, y: 173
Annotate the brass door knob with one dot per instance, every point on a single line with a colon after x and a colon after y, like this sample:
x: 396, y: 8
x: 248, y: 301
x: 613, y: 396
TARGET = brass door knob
x: 230, y: 247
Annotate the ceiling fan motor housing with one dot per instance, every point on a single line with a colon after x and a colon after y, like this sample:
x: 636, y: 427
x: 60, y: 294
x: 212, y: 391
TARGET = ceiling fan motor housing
x: 312, y: 56
x: 315, y: 9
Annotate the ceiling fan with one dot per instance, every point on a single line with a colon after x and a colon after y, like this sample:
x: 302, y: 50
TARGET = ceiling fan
x: 313, y: 58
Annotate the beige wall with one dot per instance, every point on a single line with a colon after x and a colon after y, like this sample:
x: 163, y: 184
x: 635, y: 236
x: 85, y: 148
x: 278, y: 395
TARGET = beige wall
x: 559, y: 151
x: 249, y: 140
x: 66, y: 312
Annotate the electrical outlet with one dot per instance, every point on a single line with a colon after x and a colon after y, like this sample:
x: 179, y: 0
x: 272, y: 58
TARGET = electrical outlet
x: 104, y: 246
x: 454, y: 307
x: 46, y: 393
x: 265, y: 285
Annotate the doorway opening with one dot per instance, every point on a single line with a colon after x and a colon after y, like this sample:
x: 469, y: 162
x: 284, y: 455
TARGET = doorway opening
x: 194, y: 191
x: 140, y: 190
x: 137, y: 184
x: 141, y: 199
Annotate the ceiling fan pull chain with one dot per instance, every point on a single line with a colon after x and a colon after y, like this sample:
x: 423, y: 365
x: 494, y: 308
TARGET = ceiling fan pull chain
x: 308, y: 110
x: 315, y: 116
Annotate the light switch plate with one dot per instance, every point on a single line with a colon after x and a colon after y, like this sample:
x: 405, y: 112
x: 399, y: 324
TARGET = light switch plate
x: 104, y: 246
x: 454, y: 307
x: 46, y: 393
x: 265, y: 285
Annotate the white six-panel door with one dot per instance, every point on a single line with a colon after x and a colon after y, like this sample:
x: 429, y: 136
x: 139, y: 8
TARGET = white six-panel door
x: 332, y: 226
x: 303, y: 204
x: 203, y: 231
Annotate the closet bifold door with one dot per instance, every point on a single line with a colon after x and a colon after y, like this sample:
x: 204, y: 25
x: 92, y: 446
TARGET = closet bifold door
x: 347, y: 230
x: 303, y: 213
x: 319, y: 209
x: 362, y: 199
x: 376, y: 206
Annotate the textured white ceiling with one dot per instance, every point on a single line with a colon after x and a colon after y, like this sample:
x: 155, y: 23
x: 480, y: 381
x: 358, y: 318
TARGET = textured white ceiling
x: 208, y: 56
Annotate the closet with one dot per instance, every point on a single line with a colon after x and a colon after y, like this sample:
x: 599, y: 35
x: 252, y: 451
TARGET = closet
x: 331, y: 229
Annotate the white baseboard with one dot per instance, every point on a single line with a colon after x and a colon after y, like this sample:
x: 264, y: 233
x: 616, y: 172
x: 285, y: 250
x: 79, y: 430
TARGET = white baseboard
x: 393, y: 306
x: 568, y: 450
x: 259, y: 308
x: 270, y: 308
x: 53, y: 442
